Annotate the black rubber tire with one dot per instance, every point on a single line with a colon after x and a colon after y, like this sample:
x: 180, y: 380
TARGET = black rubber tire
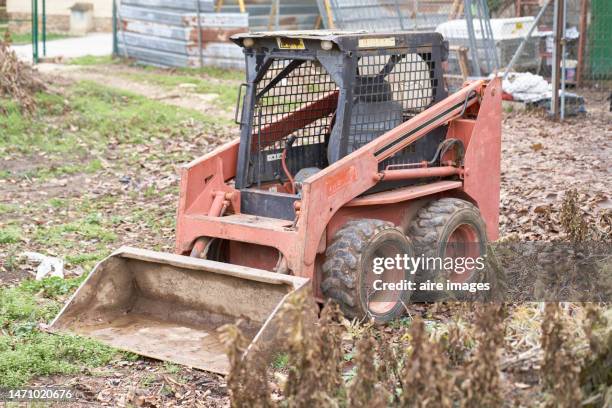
x: 345, y: 268
x: 430, y: 231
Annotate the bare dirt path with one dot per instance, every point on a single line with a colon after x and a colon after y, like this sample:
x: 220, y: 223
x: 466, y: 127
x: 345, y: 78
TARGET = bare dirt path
x: 118, y: 76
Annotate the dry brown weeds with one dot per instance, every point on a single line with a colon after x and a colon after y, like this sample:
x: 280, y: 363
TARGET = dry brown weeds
x: 572, y: 218
x: 596, y: 375
x: 366, y: 389
x: 248, y: 378
x: 18, y: 80
x: 560, y: 368
x: 314, y: 355
x: 482, y: 385
x: 411, y: 367
x: 457, y: 344
x: 426, y: 380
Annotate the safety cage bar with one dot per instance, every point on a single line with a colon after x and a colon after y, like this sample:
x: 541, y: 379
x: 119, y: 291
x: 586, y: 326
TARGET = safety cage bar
x: 314, y: 107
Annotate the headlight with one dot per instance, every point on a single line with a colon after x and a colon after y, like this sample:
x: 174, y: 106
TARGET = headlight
x: 327, y: 45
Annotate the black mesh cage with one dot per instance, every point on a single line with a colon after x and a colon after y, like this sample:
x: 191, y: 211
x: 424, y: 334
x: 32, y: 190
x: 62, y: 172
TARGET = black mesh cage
x: 318, y: 105
x: 292, y: 94
x: 390, y: 88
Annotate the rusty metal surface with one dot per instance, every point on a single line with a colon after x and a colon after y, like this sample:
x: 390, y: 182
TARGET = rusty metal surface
x: 169, y: 307
x: 174, y: 34
x: 188, y: 5
x: 292, y: 14
x: 323, y: 194
x: 166, y: 33
x: 404, y: 194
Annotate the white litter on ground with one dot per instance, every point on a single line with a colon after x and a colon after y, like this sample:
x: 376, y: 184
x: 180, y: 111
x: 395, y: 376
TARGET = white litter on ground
x: 526, y: 87
x: 49, y: 265
x: 533, y: 90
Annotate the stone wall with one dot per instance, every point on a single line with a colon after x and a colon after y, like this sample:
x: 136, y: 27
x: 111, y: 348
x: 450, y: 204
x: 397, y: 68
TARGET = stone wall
x: 102, y: 8
x: 21, y: 23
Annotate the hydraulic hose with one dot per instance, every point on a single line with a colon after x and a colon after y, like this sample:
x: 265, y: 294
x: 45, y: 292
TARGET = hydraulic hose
x: 288, y: 146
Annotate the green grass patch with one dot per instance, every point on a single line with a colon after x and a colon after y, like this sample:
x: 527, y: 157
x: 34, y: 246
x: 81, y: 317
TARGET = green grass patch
x: 90, y: 60
x: 25, y: 351
x: 172, y: 368
x: 227, y: 93
x: 90, y: 228
x: 58, y: 203
x: 26, y: 38
x: 86, y: 258
x: 7, y: 208
x: 87, y: 120
x: 39, y: 132
x: 280, y: 361
x: 227, y: 74
x: 213, y: 72
x: 154, y: 221
x: 53, y: 170
x: 106, y: 112
x: 52, y: 287
x: 89, y: 167
x: 10, y: 234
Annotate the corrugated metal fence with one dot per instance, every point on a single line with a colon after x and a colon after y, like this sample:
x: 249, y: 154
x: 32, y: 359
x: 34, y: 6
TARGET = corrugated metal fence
x: 386, y: 15
x: 192, y: 33
x: 291, y: 15
x: 179, y: 33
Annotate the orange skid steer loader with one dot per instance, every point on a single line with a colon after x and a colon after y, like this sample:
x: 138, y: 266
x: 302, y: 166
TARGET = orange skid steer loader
x: 351, y: 149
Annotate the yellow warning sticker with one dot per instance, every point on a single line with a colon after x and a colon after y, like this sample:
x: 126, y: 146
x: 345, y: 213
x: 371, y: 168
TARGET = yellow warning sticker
x: 290, y: 43
x: 377, y: 42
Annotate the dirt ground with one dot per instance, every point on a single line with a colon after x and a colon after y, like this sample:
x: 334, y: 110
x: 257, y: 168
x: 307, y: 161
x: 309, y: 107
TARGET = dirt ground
x: 118, y: 76
x: 541, y: 160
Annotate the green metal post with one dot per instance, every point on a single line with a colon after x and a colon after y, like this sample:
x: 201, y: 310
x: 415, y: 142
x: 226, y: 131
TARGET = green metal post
x: 35, y: 31
x: 115, y: 45
x: 44, y: 27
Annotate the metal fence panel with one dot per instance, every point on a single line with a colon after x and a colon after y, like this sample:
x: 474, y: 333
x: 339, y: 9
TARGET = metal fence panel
x: 386, y: 15
x: 170, y: 33
x: 165, y: 32
x: 206, y: 6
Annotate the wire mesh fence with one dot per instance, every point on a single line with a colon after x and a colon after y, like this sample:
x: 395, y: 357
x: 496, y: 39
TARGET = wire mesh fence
x: 387, y: 15
x: 593, y: 73
x: 465, y: 24
x: 584, y: 55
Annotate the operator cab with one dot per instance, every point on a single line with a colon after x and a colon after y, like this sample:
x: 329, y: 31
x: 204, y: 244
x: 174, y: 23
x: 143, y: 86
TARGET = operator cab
x: 313, y: 97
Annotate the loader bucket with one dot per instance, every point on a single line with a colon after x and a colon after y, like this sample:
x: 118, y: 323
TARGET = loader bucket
x: 169, y: 307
